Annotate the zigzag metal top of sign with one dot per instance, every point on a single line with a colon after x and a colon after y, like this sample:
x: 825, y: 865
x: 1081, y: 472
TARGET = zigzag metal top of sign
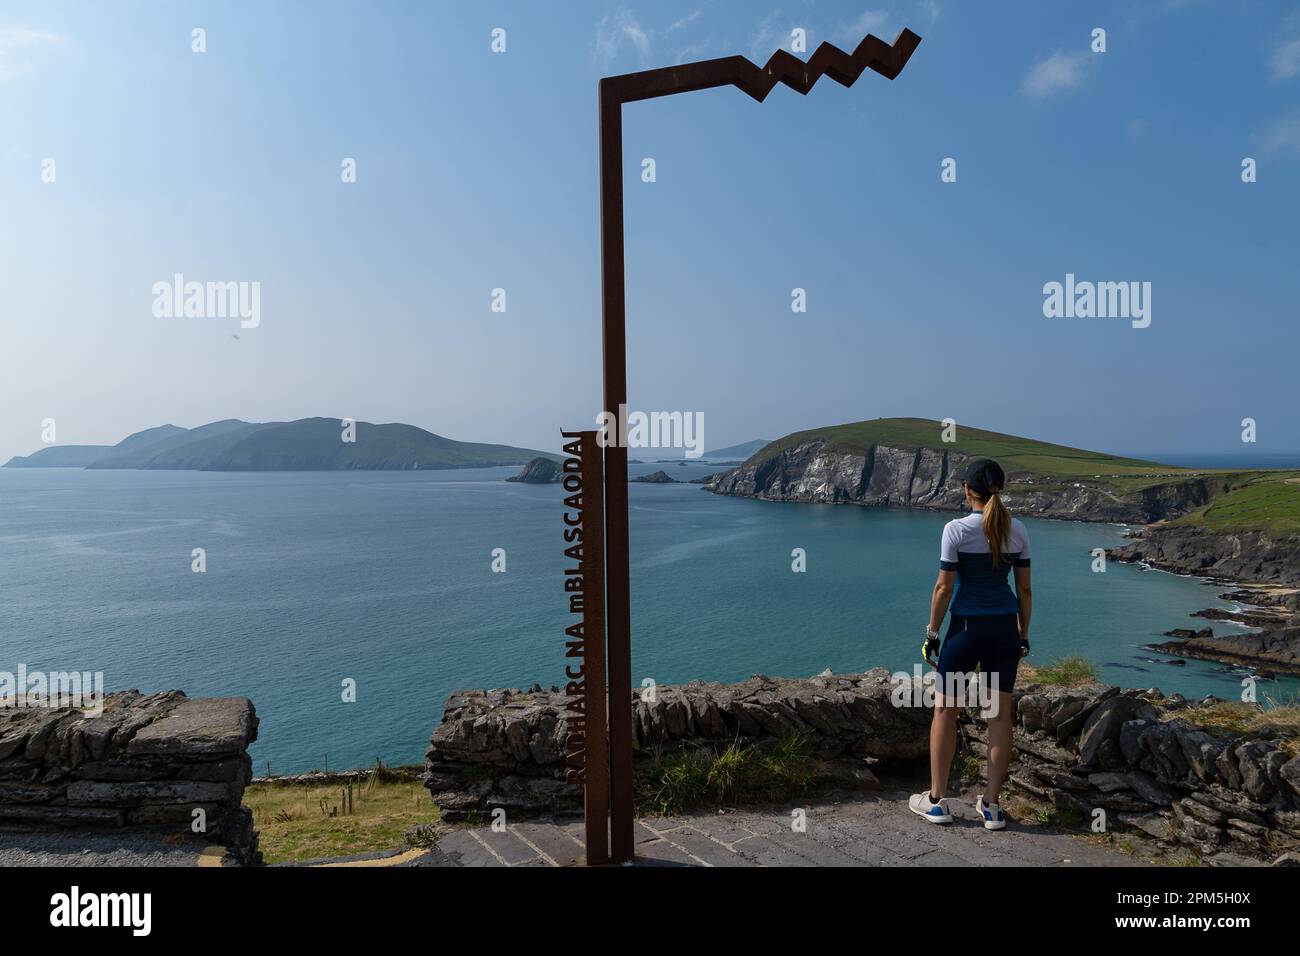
x: 828, y: 60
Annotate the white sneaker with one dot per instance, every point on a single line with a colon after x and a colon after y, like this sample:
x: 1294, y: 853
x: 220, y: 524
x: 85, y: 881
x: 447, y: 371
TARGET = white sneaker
x: 932, y: 812
x: 991, y: 814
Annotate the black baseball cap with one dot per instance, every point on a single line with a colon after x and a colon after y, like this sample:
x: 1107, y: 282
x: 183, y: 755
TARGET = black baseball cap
x: 983, y: 475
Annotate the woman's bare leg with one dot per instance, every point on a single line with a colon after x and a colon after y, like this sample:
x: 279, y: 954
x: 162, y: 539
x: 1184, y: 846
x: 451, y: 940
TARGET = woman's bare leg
x: 943, y: 745
x: 999, y: 747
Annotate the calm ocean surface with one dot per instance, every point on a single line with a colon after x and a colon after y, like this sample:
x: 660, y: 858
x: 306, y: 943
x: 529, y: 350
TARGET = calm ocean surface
x: 385, y: 577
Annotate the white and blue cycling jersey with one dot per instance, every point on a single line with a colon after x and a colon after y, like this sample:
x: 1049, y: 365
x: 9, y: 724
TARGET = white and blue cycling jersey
x: 982, y: 588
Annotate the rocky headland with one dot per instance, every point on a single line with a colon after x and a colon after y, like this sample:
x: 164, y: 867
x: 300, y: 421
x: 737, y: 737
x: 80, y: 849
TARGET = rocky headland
x: 883, y: 475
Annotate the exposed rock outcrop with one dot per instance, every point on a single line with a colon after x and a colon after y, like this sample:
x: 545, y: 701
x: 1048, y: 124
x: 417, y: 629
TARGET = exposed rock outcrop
x: 539, y: 471
x: 1276, y: 650
x: 1146, y: 764
x: 884, y: 475
x: 146, y: 760
x: 1252, y: 556
x: 659, y: 477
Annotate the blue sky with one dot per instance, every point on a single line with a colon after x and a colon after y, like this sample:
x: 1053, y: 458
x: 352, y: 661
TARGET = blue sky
x: 477, y: 170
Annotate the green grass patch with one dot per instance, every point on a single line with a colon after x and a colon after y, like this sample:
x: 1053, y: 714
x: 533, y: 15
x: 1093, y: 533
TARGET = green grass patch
x: 1068, y: 671
x: 1259, y: 501
x: 688, y: 779
x: 293, y: 820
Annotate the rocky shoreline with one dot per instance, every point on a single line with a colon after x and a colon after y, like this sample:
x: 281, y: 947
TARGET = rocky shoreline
x: 1263, y: 573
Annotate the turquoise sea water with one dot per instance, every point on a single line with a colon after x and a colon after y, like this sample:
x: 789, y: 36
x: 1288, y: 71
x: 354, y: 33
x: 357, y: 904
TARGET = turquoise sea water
x: 385, y: 578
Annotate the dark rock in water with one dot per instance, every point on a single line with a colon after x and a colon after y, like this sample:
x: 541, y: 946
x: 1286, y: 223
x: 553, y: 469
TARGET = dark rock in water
x: 1278, y: 650
x: 1186, y: 632
x: 1256, y: 618
x: 660, y: 477
x: 539, y: 471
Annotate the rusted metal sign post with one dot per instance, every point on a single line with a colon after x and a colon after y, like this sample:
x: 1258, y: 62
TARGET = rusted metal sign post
x: 587, y: 745
x: 872, y: 53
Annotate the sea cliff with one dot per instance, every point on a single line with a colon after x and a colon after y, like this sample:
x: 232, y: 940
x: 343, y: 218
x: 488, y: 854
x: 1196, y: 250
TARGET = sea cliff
x: 818, y: 470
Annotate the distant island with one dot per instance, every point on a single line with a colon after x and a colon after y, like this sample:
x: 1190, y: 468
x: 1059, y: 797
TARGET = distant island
x: 539, y: 471
x: 308, y: 444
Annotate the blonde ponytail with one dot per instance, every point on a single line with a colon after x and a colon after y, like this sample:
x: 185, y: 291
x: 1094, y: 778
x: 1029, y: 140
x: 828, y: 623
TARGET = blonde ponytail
x: 997, y: 526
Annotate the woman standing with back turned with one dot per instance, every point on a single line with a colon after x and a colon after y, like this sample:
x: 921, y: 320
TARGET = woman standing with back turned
x: 989, y: 630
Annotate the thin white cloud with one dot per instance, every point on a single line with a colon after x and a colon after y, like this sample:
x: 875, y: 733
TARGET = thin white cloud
x: 614, y: 32
x: 686, y: 20
x: 1285, y: 61
x: 1060, y: 71
x: 19, y: 47
x: 876, y: 22
x: 764, y: 39
x: 1283, y: 136
x: 871, y: 21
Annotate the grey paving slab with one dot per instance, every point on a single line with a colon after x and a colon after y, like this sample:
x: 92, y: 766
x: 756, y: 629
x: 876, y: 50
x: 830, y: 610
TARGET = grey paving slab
x: 704, y: 847
x: 464, y: 849
x: 507, y: 844
x: 763, y: 851
x: 661, y: 852
x: 552, y: 842
x: 813, y: 851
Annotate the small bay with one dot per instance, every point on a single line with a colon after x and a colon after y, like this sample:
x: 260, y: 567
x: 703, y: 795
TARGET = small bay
x: 385, y: 578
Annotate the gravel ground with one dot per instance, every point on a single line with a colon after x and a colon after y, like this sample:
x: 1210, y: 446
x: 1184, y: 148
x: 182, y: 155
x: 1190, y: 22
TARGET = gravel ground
x: 60, y: 848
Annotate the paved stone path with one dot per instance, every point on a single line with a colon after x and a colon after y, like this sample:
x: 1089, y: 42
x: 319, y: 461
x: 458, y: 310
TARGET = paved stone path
x: 876, y: 830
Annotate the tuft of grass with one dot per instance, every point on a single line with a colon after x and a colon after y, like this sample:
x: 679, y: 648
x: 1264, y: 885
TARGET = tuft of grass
x: 969, y: 769
x: 1067, y: 671
x: 1236, y: 719
x: 738, y: 774
x: 293, y: 821
x: 1069, y: 819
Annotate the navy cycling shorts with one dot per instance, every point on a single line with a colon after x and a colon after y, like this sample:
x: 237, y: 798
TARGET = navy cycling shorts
x: 987, y: 642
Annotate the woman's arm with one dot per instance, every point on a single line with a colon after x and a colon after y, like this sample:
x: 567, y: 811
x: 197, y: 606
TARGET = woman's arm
x: 1025, y: 596
x: 941, y: 598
